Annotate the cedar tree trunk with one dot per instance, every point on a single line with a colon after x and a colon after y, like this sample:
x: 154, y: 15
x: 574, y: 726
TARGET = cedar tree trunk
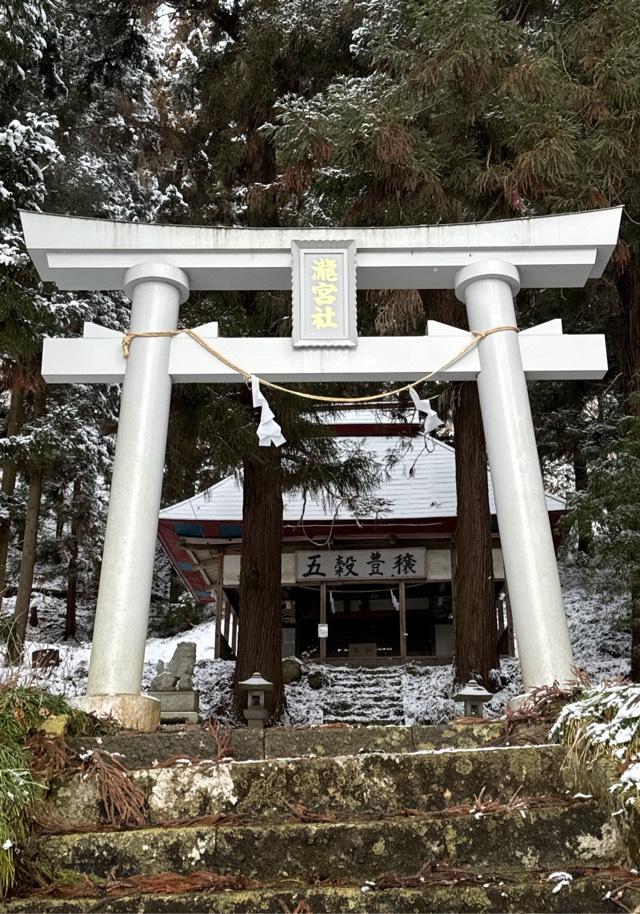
x: 581, y: 477
x: 18, y: 631
x: 475, y: 626
x: 27, y: 565
x: 628, y: 283
x: 72, y: 569
x: 260, y: 623
x: 9, y: 474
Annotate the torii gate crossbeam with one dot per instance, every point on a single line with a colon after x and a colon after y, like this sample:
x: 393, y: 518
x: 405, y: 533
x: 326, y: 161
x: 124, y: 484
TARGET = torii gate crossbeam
x: 157, y: 266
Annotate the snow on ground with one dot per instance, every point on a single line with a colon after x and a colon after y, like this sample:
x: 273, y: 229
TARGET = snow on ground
x: 408, y: 694
x: 607, y: 717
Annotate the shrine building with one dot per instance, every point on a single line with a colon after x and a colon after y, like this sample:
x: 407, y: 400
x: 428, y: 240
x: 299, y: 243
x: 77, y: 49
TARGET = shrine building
x: 370, y: 589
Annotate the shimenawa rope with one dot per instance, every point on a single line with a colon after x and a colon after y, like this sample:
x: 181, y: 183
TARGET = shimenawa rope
x: 477, y: 337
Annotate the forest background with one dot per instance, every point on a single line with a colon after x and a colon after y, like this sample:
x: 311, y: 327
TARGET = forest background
x: 313, y: 112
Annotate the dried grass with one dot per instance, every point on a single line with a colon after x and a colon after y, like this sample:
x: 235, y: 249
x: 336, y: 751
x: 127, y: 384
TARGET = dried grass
x: 50, y: 756
x: 222, y: 737
x: 158, y: 883
x: 82, y: 887
x: 122, y: 800
x: 484, y: 805
x: 302, y: 907
x: 175, y: 884
x: 302, y: 814
x: 430, y: 874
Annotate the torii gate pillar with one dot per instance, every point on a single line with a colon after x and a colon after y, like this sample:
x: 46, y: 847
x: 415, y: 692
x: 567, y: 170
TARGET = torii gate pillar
x: 156, y: 291
x: 487, y: 288
x: 486, y: 263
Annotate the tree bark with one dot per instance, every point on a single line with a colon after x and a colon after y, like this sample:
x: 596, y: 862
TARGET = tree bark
x: 72, y: 568
x: 634, y: 673
x: 628, y: 285
x: 27, y: 565
x: 9, y: 476
x: 475, y: 627
x: 15, y: 645
x: 260, y: 623
x: 581, y: 478
x: 475, y: 624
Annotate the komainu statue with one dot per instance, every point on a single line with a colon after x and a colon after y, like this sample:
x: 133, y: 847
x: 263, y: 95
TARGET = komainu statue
x: 177, y: 674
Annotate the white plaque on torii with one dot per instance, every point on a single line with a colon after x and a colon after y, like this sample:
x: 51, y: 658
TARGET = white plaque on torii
x: 485, y: 263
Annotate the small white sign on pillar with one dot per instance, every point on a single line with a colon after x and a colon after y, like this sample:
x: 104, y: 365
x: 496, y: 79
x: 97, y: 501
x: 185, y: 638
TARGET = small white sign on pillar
x: 323, y: 630
x: 324, y: 294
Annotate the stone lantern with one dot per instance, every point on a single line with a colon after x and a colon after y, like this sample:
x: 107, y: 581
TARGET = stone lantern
x: 256, y: 711
x: 474, y: 696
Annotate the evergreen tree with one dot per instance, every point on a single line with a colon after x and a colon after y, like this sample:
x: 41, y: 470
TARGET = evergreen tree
x: 480, y: 109
x: 57, y: 144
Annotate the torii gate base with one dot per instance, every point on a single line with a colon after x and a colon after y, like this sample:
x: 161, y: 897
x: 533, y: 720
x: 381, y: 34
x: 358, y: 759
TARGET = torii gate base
x: 485, y: 263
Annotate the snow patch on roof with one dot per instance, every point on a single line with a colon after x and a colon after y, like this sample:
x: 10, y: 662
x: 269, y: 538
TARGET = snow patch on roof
x: 420, y: 484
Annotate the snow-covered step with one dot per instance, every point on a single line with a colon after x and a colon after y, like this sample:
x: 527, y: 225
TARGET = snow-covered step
x: 364, y: 695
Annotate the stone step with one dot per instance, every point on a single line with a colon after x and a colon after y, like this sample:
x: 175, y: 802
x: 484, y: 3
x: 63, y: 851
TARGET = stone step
x: 369, y: 718
x: 367, y: 784
x: 585, y: 893
x: 140, y: 750
x: 349, y: 673
x: 364, y: 704
x: 554, y: 837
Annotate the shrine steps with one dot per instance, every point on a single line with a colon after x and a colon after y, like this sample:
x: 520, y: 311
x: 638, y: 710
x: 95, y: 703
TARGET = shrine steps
x: 368, y: 784
x: 487, y: 894
x: 466, y: 829
x: 552, y: 837
x: 144, y: 750
x: 363, y: 695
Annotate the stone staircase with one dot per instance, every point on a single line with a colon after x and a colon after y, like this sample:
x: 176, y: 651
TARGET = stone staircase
x: 359, y: 695
x: 366, y: 819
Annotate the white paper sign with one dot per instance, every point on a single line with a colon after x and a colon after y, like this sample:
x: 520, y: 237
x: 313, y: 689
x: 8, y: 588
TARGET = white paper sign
x: 323, y: 630
x: 402, y: 562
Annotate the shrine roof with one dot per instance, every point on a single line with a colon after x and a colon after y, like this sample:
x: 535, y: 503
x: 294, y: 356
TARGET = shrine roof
x: 419, y: 483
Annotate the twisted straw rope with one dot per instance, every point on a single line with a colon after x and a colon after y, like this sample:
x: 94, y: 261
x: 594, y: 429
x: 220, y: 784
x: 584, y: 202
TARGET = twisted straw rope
x: 478, y: 336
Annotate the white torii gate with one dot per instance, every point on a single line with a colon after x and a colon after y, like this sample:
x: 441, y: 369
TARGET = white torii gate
x: 157, y: 266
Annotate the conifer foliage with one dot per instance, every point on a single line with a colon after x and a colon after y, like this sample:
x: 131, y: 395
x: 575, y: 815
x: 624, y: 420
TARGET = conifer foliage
x: 476, y: 109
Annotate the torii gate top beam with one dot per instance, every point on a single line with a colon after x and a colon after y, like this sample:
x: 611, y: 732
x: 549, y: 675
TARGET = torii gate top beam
x: 548, y: 251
